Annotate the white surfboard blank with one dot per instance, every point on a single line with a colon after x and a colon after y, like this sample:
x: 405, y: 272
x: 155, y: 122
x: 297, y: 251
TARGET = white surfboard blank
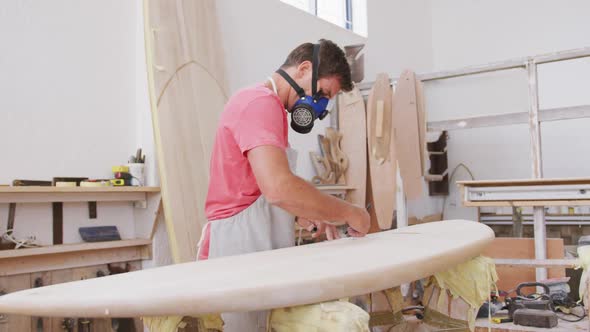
x: 264, y: 280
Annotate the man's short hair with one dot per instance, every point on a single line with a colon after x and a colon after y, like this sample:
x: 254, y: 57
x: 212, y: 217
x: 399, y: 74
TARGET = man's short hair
x: 332, y: 61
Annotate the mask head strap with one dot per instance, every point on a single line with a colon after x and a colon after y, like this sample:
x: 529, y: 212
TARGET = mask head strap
x: 315, y: 61
x: 291, y: 82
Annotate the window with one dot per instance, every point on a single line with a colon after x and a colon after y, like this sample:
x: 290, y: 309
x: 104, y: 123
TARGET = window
x: 349, y: 14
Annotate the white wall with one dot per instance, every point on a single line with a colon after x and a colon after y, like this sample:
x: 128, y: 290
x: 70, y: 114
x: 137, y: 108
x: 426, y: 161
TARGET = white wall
x: 67, y: 88
x: 399, y: 37
x: 257, y: 37
x: 67, y: 106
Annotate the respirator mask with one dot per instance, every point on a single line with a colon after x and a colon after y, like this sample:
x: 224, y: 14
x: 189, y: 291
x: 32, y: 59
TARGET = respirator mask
x: 308, y: 108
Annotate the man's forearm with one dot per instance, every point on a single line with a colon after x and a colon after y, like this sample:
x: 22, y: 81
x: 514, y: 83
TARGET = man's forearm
x: 302, y: 199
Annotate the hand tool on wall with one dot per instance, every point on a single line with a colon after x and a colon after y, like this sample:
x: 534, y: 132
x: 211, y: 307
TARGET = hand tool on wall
x: 8, y: 241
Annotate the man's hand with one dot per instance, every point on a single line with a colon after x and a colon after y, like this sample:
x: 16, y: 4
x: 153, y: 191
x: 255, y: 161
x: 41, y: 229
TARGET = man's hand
x: 318, y: 228
x: 359, y: 222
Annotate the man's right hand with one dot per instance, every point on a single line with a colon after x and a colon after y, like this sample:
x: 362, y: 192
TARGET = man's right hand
x: 359, y: 222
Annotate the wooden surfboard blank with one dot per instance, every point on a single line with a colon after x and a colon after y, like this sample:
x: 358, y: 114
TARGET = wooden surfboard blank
x: 352, y: 126
x: 264, y: 280
x: 407, y: 135
x: 420, y: 103
x: 383, y: 166
x: 187, y: 93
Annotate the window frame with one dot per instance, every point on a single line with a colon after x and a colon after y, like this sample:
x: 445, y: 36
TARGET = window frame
x: 349, y: 21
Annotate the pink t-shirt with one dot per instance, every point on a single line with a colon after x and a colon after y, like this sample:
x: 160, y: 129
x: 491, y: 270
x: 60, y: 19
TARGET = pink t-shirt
x: 252, y: 117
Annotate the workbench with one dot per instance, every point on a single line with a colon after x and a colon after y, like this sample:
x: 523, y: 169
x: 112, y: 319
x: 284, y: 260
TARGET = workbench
x: 536, y: 193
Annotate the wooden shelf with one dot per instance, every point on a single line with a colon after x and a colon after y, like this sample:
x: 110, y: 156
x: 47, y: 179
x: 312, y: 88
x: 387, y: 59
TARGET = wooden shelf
x: 42, y: 189
x: 74, y: 194
x: 76, y: 247
x: 66, y: 256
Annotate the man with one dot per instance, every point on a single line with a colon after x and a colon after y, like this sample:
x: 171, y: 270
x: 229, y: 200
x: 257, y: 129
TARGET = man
x: 253, y: 195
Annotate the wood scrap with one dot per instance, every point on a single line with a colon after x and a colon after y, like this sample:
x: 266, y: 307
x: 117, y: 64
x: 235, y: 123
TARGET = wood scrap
x: 336, y: 153
x: 322, y: 167
x: 326, y: 148
x: 332, y: 164
x: 522, y: 248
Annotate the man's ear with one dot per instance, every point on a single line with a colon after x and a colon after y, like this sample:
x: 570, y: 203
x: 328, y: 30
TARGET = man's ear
x: 303, y: 68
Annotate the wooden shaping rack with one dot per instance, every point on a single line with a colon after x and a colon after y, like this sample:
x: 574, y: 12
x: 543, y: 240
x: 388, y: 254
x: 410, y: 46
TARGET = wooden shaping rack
x: 533, y: 117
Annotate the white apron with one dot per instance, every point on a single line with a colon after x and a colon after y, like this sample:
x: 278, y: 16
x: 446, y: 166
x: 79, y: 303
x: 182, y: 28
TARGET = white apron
x: 259, y: 227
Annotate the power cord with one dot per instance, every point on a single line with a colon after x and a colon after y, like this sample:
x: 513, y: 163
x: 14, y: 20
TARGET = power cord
x: 460, y: 165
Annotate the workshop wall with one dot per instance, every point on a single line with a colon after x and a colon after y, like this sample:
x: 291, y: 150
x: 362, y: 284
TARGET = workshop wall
x: 399, y: 37
x: 68, y: 103
x: 67, y: 88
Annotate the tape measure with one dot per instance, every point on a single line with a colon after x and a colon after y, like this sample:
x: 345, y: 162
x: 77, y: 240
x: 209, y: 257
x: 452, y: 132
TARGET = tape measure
x: 118, y: 182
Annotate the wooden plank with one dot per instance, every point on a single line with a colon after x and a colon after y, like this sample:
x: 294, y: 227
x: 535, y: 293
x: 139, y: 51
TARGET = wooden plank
x: 371, y: 205
x: 522, y: 248
x: 66, y: 260
x: 524, y: 182
x: 95, y: 324
x: 407, y: 135
x: 12, y: 323
x: 59, y: 277
x: 508, y: 119
x: 566, y: 263
x: 381, y: 153
x: 420, y: 103
x: 186, y: 79
x: 526, y: 203
x: 352, y: 125
x: 534, y: 124
x: 496, y: 66
x: 77, y: 247
x: 72, y: 197
x: 473, y: 70
x: 41, y: 279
